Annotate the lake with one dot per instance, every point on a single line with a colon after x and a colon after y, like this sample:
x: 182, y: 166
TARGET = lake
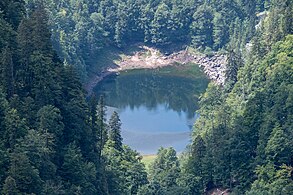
x: 157, y: 107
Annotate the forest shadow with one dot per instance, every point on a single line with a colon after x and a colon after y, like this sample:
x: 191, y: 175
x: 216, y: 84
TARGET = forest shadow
x: 171, y: 48
x: 104, y: 59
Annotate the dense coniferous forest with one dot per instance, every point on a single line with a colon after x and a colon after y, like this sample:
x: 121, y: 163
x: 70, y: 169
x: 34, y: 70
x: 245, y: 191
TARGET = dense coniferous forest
x: 81, y: 29
x: 54, y: 141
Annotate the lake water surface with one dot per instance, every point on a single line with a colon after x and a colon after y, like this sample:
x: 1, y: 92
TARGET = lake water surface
x: 156, y: 107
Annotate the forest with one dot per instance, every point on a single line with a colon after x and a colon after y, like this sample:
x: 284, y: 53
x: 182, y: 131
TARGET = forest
x: 55, y: 140
x: 80, y: 29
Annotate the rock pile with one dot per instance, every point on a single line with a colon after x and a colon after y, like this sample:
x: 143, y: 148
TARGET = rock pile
x: 214, y: 66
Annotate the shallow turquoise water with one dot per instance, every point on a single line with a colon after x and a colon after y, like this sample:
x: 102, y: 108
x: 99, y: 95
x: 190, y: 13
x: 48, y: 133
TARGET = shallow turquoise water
x: 155, y: 109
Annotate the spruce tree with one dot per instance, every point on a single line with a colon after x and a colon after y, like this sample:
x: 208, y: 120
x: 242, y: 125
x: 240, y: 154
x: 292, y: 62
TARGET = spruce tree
x: 80, y: 174
x: 165, y: 170
x: 101, y: 130
x: 115, y: 131
x: 26, y: 176
x: 15, y: 128
x: 7, y: 71
x: 9, y: 187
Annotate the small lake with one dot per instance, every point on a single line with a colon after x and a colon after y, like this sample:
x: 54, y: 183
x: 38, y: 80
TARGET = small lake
x: 157, y: 107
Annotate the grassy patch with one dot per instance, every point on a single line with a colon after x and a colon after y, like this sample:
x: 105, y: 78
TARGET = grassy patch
x: 189, y: 70
x: 148, y: 159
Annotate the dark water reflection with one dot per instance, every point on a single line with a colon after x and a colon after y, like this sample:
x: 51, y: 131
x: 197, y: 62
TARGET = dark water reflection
x: 155, y: 109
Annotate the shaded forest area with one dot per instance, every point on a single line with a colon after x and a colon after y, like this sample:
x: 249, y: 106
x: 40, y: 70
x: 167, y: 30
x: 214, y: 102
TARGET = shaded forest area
x: 53, y: 141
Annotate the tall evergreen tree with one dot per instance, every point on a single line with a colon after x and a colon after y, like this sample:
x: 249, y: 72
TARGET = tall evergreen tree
x: 115, y: 131
x: 7, y: 71
x: 165, y: 170
x: 15, y: 128
x: 9, y: 187
x: 80, y: 174
x: 26, y: 176
x: 101, y: 131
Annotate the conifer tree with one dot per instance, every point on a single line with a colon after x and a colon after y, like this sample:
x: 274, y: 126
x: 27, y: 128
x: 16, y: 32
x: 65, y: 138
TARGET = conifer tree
x: 15, y: 128
x: 9, y: 187
x: 50, y: 122
x: 79, y: 173
x: 26, y: 176
x: 165, y: 169
x: 7, y: 71
x: 279, y: 147
x: 101, y: 131
x: 115, y: 131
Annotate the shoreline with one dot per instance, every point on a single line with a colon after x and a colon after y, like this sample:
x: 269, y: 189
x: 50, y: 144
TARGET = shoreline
x: 150, y: 58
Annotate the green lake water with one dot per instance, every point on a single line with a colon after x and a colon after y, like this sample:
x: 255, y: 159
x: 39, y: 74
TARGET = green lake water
x: 156, y: 107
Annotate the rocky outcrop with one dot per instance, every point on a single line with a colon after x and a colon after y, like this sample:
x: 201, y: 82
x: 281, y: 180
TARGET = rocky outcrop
x: 214, y: 66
